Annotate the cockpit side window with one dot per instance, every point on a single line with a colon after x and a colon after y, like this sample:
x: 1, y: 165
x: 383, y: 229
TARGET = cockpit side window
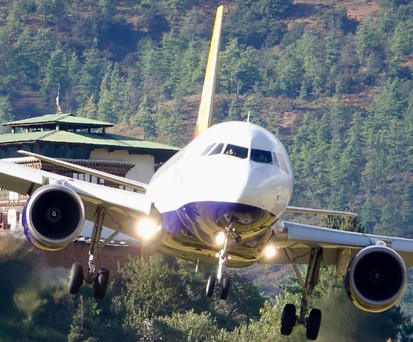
x: 217, y: 149
x: 275, y: 159
x: 282, y: 162
x: 236, y: 151
x: 261, y: 156
x: 208, y: 149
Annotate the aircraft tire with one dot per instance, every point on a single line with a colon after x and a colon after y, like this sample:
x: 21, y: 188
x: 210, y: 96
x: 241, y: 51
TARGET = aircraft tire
x: 225, y: 288
x: 76, y: 279
x: 101, y: 283
x: 313, y: 324
x: 210, y: 285
x: 288, y: 319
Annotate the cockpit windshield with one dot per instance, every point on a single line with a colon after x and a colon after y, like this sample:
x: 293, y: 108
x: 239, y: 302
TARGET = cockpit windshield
x: 261, y: 156
x: 256, y: 155
x: 236, y: 151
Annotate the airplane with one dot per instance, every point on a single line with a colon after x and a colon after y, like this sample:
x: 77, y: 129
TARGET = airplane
x: 220, y: 200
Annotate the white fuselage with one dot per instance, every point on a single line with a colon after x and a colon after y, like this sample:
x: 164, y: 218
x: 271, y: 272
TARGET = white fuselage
x: 234, y: 171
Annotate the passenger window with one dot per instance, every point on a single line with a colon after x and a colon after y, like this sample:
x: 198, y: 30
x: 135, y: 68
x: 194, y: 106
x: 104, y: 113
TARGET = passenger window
x: 236, y: 151
x: 261, y: 156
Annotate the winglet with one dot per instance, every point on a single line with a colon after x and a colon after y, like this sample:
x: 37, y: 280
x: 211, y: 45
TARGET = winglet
x: 206, y: 106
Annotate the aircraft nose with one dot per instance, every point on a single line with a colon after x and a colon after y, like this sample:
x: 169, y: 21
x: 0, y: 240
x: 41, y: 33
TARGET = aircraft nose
x: 267, y: 187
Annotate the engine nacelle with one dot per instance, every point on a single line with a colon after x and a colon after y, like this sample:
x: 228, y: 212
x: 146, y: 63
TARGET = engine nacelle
x: 53, y: 217
x: 376, y: 278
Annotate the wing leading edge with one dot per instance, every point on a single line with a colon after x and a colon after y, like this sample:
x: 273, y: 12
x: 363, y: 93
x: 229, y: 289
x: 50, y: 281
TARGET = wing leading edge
x: 299, y: 239
x: 123, y: 206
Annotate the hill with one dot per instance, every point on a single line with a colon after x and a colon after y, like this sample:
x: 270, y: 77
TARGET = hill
x: 67, y: 24
x: 321, y: 74
x: 332, y: 78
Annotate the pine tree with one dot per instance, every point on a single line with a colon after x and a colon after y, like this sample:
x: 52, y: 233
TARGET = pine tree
x: 6, y: 114
x: 55, y: 74
x: 90, y: 76
x: 238, y: 69
x: 85, y: 322
x: 89, y: 110
x: 145, y: 117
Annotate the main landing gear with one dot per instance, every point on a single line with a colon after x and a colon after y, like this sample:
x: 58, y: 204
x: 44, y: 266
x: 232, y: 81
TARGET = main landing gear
x: 218, y: 279
x: 289, y: 318
x: 98, y: 279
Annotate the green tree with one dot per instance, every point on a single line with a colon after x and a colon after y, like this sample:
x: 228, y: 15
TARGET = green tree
x: 73, y: 71
x: 390, y: 220
x: 145, y: 118
x: 89, y: 110
x: 238, y: 69
x: 406, y: 214
x: 170, y: 125
x: 32, y: 51
x: 111, y: 96
x: 370, y: 213
x: 190, y: 74
x: 351, y: 161
x: 85, y: 323
x: 289, y: 71
x: 90, y: 76
x: 370, y: 49
x: 160, y: 294
x: 311, y: 50
x: 6, y: 114
x: 258, y: 23
x: 234, y: 110
x: 55, y: 74
x: 242, y: 305
x: 51, y: 10
x: 402, y: 39
x: 190, y: 326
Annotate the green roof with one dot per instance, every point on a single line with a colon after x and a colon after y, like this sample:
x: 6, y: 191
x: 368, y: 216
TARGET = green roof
x: 68, y: 120
x: 81, y: 138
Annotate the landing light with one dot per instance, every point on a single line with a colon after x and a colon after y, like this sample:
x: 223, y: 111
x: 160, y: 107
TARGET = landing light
x: 270, y: 251
x: 147, y: 228
x: 220, y: 239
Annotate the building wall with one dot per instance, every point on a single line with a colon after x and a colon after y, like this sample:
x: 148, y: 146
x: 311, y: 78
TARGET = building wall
x: 144, y: 164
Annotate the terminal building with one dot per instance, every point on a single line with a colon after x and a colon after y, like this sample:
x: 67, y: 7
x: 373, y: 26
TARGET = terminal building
x: 80, y: 141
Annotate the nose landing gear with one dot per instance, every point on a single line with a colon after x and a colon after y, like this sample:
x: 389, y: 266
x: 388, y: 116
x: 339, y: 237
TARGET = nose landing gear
x: 218, y: 279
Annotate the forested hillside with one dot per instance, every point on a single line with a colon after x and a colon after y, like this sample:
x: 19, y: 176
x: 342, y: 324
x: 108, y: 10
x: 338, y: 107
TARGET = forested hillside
x: 337, y: 90
x: 332, y: 78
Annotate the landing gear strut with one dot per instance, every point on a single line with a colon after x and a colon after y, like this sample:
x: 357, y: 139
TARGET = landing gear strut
x: 218, y: 279
x: 97, y: 279
x: 289, y: 318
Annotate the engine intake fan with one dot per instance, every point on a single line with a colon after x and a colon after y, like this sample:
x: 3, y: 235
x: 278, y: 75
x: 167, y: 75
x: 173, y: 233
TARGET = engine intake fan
x: 53, y: 217
x: 376, y: 278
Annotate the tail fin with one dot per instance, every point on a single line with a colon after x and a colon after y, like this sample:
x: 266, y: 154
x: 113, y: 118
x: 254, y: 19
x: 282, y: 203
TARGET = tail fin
x: 206, y: 107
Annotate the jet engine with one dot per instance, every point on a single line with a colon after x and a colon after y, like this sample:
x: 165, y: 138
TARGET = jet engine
x: 376, y: 278
x: 53, y: 217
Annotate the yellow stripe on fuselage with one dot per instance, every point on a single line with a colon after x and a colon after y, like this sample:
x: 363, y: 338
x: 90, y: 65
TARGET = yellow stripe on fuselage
x: 206, y: 106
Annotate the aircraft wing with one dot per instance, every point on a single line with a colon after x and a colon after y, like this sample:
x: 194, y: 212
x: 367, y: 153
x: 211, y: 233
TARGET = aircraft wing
x: 122, y: 207
x: 296, y: 242
x: 300, y: 210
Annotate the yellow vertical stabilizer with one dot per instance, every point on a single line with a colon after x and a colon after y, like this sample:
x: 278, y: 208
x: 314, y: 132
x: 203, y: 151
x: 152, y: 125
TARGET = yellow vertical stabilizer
x: 206, y: 106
